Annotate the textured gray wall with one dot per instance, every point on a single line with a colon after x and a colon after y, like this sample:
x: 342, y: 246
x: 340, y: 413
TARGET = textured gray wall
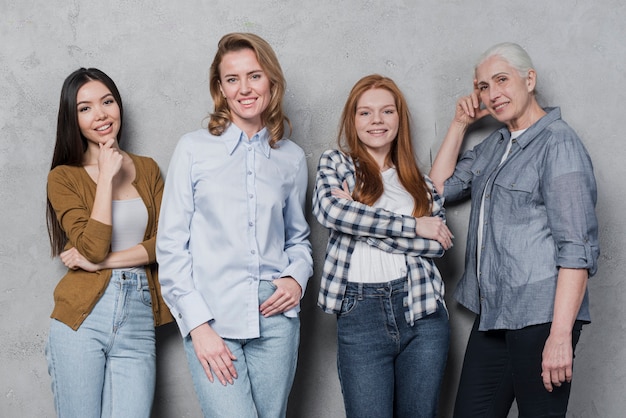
x: 158, y: 52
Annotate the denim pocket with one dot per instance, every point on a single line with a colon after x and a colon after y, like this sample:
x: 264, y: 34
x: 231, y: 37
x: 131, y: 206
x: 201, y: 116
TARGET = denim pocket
x: 145, y: 296
x: 348, y: 305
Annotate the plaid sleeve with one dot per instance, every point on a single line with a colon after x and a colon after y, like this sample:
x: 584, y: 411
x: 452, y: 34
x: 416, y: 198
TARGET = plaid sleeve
x: 417, y: 246
x: 438, y: 200
x: 350, y: 217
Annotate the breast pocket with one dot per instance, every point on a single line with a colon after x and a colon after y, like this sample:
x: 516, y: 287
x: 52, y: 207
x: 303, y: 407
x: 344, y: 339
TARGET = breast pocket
x: 517, y: 190
x: 480, y: 166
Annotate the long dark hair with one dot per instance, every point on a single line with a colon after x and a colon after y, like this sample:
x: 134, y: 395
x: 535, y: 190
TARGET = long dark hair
x: 369, y: 183
x: 70, y: 143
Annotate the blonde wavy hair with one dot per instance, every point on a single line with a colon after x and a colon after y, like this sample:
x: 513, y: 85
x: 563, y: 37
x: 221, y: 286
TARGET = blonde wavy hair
x: 273, y: 116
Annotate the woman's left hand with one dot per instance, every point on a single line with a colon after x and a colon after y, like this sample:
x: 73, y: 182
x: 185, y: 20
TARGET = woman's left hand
x: 433, y: 227
x: 343, y: 193
x: 75, y: 260
x: 557, y: 361
x: 286, y: 296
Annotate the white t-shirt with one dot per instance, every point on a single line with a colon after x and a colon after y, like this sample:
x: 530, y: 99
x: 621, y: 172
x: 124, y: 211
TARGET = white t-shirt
x: 372, y: 265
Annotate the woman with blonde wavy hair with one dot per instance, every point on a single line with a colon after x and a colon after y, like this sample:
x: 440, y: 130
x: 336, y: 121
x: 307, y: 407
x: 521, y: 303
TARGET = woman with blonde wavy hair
x: 386, y: 224
x: 233, y: 245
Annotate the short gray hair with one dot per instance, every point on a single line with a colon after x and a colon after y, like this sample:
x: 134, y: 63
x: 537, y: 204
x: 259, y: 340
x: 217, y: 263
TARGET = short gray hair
x: 510, y: 52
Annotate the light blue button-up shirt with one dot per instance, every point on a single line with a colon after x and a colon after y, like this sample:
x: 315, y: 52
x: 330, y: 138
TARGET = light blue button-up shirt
x: 232, y: 215
x: 539, y: 216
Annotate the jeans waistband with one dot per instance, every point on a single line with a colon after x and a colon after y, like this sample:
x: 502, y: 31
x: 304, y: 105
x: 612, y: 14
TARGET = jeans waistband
x: 135, y: 279
x: 377, y: 289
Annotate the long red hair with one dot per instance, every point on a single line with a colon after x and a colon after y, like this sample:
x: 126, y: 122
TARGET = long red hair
x: 369, y: 183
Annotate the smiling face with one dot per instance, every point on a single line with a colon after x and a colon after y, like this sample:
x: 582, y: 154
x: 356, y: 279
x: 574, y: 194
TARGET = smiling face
x: 98, y: 113
x: 376, y: 121
x: 246, y: 88
x: 506, y: 94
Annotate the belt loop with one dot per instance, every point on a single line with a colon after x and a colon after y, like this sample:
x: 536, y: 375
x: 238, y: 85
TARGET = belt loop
x: 360, y: 291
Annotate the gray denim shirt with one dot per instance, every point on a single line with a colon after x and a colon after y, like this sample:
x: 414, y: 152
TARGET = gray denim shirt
x: 539, y: 215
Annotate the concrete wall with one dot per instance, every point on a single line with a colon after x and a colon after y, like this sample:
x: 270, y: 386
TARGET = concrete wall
x: 159, y: 52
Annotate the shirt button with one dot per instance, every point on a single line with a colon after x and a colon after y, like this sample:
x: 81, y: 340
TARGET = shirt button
x: 250, y: 195
x: 249, y: 173
x: 252, y: 252
x: 250, y: 224
x: 249, y: 148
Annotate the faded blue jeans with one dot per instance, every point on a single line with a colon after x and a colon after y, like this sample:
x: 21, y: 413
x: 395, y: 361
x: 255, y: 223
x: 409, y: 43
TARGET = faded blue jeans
x: 388, y: 368
x: 107, y: 368
x: 266, y: 367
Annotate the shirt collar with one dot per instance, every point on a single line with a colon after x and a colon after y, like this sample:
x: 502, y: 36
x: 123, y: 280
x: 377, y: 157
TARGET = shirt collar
x: 552, y: 114
x: 233, y: 136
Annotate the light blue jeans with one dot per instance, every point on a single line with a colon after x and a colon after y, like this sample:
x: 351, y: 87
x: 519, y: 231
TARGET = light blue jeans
x: 265, y: 366
x: 388, y: 368
x: 107, y: 368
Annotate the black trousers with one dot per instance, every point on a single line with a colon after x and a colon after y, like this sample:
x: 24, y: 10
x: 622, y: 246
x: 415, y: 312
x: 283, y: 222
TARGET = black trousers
x: 504, y: 365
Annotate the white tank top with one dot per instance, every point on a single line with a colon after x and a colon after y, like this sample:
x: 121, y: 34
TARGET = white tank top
x: 130, y: 219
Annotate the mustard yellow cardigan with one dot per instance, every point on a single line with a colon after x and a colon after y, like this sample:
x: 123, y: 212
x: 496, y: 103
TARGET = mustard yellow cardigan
x: 72, y: 193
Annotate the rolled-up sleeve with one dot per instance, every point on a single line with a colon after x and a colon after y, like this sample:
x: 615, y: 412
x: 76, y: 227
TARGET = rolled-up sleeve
x: 570, y: 194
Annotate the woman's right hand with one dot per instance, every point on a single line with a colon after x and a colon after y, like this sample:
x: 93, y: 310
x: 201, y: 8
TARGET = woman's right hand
x: 213, y: 353
x: 109, y: 159
x: 433, y: 227
x: 75, y: 260
x: 468, y: 110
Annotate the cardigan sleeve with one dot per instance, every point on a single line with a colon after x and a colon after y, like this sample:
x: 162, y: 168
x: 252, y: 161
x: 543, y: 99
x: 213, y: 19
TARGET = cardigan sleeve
x: 69, y: 197
x: 154, y: 185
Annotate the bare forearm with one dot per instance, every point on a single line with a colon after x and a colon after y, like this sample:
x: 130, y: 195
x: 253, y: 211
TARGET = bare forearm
x: 447, y: 156
x: 570, y: 290
x: 133, y: 257
x: 558, y: 354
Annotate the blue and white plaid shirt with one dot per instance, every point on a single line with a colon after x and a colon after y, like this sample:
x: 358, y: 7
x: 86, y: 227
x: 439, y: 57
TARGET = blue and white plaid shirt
x: 349, y: 221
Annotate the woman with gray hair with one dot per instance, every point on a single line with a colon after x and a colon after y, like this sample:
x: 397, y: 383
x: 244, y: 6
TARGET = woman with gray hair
x: 532, y: 241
